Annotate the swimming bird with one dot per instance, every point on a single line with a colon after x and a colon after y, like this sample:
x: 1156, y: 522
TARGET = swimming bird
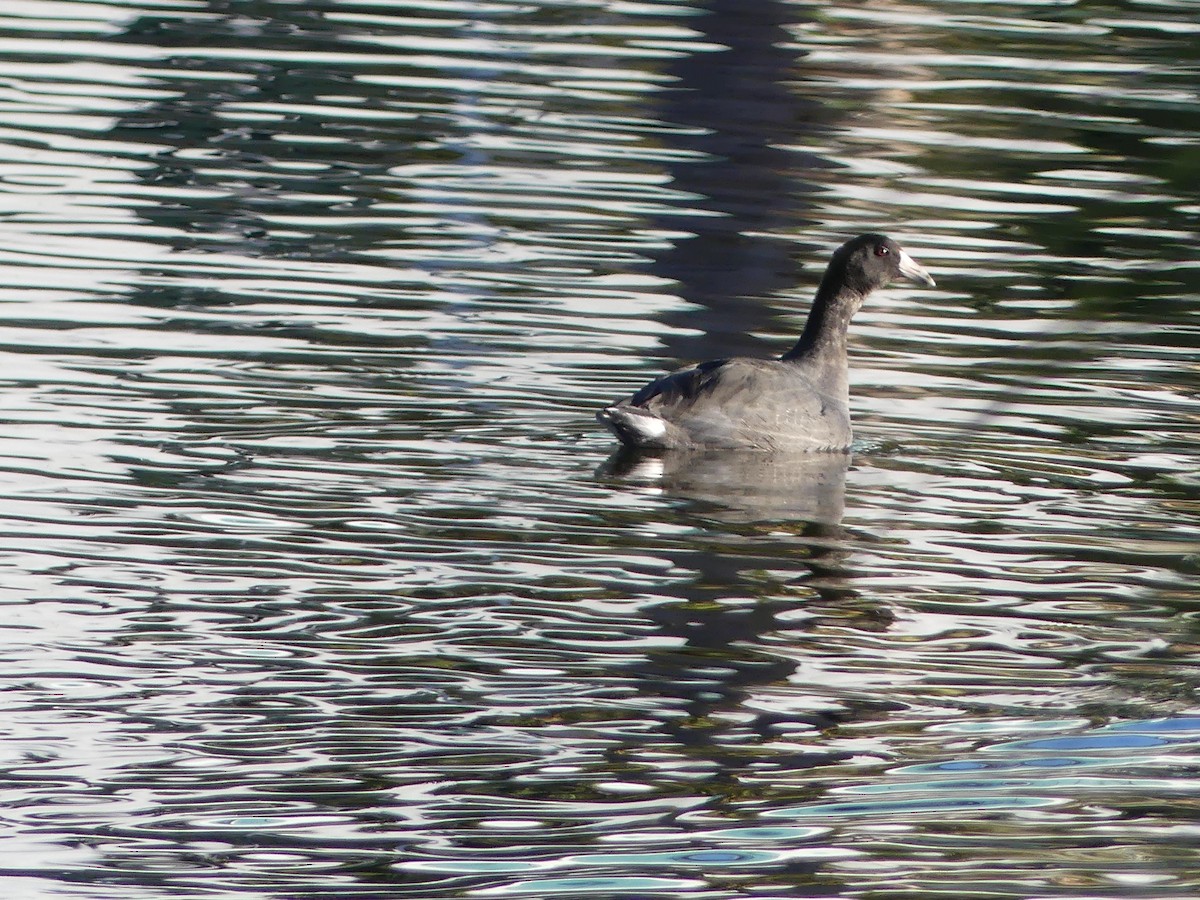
x: 800, y: 401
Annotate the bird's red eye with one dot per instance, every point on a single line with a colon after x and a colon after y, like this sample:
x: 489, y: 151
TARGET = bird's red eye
x: 882, y: 251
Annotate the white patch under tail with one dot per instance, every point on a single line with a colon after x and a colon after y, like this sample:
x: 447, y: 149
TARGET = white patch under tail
x: 634, y: 426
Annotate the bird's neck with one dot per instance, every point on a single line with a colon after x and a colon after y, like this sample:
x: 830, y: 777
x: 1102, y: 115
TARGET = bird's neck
x: 824, y: 335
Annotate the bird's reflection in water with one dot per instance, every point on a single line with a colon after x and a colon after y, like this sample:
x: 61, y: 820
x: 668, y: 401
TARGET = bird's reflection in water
x: 745, y: 486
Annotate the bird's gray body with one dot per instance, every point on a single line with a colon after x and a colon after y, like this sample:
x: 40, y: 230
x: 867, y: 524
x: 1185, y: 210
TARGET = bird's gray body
x: 761, y: 404
x: 800, y: 402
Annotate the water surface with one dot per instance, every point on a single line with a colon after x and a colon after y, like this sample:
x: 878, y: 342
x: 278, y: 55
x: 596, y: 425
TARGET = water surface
x: 321, y: 580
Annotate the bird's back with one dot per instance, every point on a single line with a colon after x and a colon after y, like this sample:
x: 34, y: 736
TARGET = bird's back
x: 762, y: 404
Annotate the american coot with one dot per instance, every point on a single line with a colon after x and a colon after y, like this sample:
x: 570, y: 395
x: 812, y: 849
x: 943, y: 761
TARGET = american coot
x: 797, y: 402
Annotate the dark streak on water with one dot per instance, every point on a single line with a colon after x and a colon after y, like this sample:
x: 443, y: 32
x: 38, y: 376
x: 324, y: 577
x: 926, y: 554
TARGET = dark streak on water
x: 319, y: 579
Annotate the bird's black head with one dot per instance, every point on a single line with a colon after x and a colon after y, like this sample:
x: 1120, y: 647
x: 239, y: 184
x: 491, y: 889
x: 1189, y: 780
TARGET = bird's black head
x: 871, y: 261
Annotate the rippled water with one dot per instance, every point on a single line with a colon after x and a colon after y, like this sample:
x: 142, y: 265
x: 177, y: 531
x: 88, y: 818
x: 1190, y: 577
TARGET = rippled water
x: 320, y: 579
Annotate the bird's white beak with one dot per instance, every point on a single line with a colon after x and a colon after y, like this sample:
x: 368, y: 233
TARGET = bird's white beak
x: 914, y: 271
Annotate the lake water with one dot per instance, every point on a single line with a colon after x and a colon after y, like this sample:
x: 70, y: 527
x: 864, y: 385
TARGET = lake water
x: 320, y: 579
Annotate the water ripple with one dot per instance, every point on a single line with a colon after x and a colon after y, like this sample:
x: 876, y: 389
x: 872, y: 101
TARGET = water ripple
x: 319, y: 579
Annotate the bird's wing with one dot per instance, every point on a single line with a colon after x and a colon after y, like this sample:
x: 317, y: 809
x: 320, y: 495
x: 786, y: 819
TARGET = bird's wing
x: 745, y: 402
x: 682, y: 386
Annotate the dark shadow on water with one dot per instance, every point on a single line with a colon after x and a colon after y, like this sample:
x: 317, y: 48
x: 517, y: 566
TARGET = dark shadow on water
x: 769, y: 544
x: 744, y: 486
x: 745, y: 120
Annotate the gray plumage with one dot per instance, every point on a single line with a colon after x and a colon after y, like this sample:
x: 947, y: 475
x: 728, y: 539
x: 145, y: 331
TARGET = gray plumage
x: 797, y: 402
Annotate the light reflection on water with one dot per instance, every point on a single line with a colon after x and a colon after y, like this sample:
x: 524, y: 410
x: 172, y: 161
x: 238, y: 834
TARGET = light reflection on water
x: 320, y: 579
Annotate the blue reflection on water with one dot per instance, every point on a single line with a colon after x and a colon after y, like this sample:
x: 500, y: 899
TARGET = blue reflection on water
x: 613, y: 884
x: 945, y: 794
x: 909, y: 807
x: 682, y: 857
x: 1084, y: 742
x: 1181, y: 724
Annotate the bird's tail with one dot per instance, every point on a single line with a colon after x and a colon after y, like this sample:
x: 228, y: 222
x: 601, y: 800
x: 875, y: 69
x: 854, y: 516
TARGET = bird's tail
x: 635, y: 427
